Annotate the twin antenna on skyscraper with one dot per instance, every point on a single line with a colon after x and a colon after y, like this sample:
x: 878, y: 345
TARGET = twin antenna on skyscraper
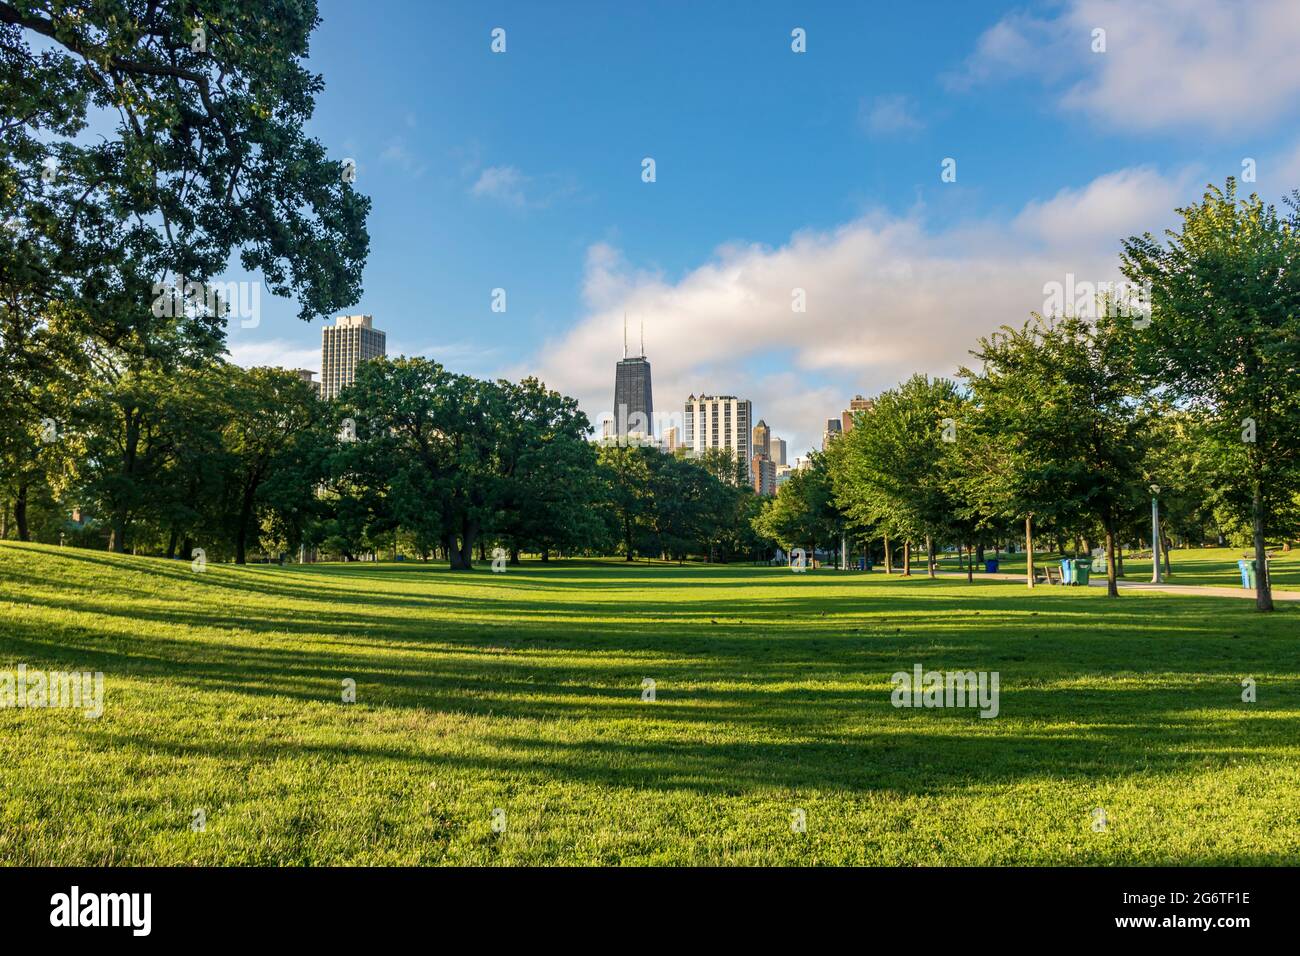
x: 625, y: 336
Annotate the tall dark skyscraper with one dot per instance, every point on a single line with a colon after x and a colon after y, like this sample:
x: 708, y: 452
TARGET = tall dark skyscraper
x: 633, y: 403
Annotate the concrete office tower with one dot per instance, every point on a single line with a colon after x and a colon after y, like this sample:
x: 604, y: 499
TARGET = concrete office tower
x: 720, y: 421
x: 761, y: 443
x: 634, y: 408
x: 308, y: 376
x: 351, y: 339
x: 777, y: 451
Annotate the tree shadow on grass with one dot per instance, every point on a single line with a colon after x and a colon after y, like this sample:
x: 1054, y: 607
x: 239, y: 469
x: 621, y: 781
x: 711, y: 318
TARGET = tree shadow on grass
x: 911, y: 755
x: 1091, y: 689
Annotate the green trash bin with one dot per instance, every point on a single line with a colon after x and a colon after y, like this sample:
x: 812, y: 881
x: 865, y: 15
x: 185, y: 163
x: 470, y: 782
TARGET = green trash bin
x: 1081, y: 568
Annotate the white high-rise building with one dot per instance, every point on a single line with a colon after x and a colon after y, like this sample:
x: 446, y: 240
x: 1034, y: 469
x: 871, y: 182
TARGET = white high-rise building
x: 351, y: 339
x: 719, y: 421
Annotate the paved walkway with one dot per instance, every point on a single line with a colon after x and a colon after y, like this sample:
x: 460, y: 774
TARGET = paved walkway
x: 1199, y: 590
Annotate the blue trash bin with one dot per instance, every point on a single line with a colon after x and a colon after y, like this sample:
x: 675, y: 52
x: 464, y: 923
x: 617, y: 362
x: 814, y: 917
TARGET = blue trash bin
x: 1247, y: 569
x: 991, y: 566
x: 1067, y: 572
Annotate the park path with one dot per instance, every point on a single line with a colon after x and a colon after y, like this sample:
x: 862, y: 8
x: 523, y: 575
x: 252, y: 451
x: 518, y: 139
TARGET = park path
x: 1198, y: 590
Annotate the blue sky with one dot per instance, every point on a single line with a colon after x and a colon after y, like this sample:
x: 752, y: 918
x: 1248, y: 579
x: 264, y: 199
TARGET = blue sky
x: 775, y: 170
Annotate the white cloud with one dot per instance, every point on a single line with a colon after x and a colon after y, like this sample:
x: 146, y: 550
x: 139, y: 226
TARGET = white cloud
x: 503, y: 183
x: 1202, y: 65
x: 511, y: 187
x: 398, y: 154
x: 886, y: 297
x: 1137, y: 194
x: 280, y: 353
x: 889, y: 116
x: 456, y: 355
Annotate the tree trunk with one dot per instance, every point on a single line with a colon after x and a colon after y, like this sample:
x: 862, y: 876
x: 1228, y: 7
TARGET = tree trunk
x: 929, y: 556
x: 1112, y: 567
x: 514, y: 554
x: 117, y: 531
x: 1263, y: 589
x: 907, y: 559
x: 1167, y: 545
x: 469, y: 534
x: 171, y: 544
x: 455, y: 557
x: 546, y: 554
x: 970, y: 565
x: 245, y: 516
x: 20, y: 513
x: 979, y: 554
x: 117, y: 540
x: 1029, y: 551
x: 889, y: 557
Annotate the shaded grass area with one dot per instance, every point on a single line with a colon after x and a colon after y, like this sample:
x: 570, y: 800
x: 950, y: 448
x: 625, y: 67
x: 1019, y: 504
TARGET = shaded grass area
x: 523, y: 692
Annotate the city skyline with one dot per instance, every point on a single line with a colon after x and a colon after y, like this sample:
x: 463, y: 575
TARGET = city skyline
x: 775, y: 171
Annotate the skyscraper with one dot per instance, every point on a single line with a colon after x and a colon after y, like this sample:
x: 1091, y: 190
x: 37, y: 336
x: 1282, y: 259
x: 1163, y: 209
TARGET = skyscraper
x: 633, y: 399
x: 777, y: 451
x: 762, y: 440
x: 720, y: 421
x: 351, y: 339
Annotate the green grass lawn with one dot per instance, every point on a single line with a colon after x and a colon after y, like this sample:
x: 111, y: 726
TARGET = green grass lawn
x: 1216, y: 566
x: 522, y: 691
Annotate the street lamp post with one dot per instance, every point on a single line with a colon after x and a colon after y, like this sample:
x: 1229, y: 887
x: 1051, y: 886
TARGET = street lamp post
x: 1155, y: 535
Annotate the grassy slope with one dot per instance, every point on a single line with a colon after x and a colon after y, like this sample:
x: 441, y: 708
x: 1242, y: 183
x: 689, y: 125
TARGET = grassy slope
x: 522, y: 691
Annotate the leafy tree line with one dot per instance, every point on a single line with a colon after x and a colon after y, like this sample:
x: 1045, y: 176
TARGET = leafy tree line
x: 411, y: 459
x: 1061, y: 426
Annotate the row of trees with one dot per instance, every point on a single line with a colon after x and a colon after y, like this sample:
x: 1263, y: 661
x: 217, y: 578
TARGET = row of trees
x: 411, y: 458
x: 1061, y: 426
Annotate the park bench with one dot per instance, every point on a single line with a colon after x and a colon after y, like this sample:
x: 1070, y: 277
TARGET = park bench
x: 1047, y: 574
